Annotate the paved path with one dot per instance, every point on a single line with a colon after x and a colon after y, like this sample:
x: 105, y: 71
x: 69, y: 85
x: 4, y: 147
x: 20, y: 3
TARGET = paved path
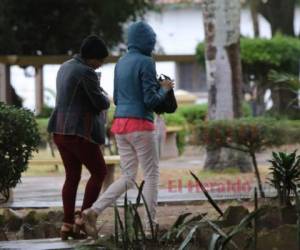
x: 42, y: 192
x: 43, y: 244
x: 45, y: 191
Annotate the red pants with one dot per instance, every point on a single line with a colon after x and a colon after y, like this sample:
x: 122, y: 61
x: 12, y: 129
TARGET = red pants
x: 74, y: 152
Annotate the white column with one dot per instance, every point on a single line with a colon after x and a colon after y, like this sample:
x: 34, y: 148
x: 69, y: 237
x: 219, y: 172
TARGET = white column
x: 39, y: 89
x: 4, y: 82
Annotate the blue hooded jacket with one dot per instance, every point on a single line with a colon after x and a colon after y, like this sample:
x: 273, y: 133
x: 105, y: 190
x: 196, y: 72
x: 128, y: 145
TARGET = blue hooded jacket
x: 136, y: 91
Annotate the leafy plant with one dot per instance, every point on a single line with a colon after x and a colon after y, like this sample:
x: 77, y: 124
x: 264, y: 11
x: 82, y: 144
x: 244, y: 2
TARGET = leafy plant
x: 210, y: 199
x: 184, y: 223
x: 193, y: 113
x: 46, y: 112
x: 249, y: 135
x: 130, y: 231
x: 285, y: 175
x: 221, y: 239
x: 298, y: 215
x: 19, y: 137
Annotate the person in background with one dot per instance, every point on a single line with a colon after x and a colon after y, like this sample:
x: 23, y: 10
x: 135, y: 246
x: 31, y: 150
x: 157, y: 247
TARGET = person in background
x: 77, y: 125
x: 136, y: 94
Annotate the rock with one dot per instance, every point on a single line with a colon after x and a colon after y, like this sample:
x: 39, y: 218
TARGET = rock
x: 31, y: 218
x: 289, y: 215
x: 32, y: 232
x: 203, y: 236
x: 275, y: 216
x: 55, y: 216
x: 3, y: 236
x: 270, y: 219
x: 241, y: 239
x: 234, y: 214
x: 12, y: 219
x: 50, y: 230
x: 2, y: 220
x: 281, y: 238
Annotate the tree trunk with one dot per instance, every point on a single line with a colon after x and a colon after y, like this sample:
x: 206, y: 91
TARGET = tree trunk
x: 254, y: 15
x: 223, y: 69
x: 280, y: 14
x: 223, y: 63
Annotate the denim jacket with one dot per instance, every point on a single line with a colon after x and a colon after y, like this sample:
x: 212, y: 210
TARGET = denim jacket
x: 80, y: 102
x: 136, y: 91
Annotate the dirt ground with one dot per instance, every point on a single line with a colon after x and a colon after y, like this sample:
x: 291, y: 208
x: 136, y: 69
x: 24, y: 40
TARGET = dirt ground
x: 168, y: 213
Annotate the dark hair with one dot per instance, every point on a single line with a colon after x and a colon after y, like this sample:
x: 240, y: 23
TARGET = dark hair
x: 93, y: 47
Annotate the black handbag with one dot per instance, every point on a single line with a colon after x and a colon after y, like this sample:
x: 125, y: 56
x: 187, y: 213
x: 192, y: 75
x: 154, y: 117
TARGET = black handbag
x: 169, y: 104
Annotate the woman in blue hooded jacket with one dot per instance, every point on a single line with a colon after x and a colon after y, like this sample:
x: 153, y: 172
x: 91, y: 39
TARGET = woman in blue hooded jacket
x: 136, y: 94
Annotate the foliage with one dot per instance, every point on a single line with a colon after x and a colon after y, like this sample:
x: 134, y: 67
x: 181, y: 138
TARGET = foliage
x: 193, y: 113
x: 42, y: 128
x: 254, y: 134
x: 260, y: 55
x: 221, y: 239
x: 290, y: 81
x: 130, y: 231
x: 19, y: 137
x: 287, y: 86
x: 207, y: 195
x: 285, y: 175
x: 46, y: 112
x: 249, y: 135
x: 58, y: 26
x: 279, y: 53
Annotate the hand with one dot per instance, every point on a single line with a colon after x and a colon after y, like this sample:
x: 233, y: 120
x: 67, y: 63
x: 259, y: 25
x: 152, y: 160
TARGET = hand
x: 167, y: 84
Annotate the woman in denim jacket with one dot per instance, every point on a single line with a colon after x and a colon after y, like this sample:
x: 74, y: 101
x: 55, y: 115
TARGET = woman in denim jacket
x: 77, y: 124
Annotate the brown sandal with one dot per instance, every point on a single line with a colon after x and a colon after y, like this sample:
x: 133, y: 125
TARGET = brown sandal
x: 79, y: 224
x: 89, y: 218
x: 70, y: 233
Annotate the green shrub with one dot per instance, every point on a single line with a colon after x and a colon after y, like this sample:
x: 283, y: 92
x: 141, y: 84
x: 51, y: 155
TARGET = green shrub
x: 42, y: 127
x: 285, y: 175
x: 46, y: 112
x: 19, y: 137
x: 259, y: 55
x: 249, y: 133
x: 193, y: 113
x: 280, y: 53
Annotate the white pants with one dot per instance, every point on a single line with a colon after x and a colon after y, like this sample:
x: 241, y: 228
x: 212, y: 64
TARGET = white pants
x: 134, y: 149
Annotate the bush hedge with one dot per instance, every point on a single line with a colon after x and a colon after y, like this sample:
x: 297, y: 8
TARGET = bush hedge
x: 19, y: 137
x: 252, y: 134
x: 259, y: 55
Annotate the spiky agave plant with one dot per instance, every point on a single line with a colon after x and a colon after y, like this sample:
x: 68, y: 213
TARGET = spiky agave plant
x: 220, y: 240
x: 285, y: 175
x: 129, y: 232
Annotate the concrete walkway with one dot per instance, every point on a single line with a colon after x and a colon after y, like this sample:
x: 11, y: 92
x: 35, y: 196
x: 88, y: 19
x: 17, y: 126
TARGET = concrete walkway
x: 45, y: 191
x: 43, y: 244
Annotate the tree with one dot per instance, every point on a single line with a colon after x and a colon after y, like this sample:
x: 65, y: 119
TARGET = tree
x: 223, y: 69
x: 280, y: 14
x: 31, y: 27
